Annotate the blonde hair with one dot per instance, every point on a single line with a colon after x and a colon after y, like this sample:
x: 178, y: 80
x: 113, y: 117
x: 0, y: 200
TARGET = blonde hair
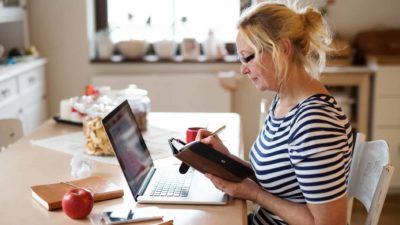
x: 266, y: 24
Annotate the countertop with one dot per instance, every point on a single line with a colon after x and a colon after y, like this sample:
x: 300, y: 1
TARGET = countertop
x: 8, y: 71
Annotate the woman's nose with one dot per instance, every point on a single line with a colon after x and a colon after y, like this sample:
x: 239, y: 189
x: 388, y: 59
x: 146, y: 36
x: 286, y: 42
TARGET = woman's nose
x: 244, y: 69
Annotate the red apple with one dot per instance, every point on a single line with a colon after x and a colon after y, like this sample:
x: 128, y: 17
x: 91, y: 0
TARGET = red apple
x: 77, y: 203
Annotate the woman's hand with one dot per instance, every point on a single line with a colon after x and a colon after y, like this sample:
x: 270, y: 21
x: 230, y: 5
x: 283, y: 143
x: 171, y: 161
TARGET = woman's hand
x: 206, y: 137
x: 247, y: 189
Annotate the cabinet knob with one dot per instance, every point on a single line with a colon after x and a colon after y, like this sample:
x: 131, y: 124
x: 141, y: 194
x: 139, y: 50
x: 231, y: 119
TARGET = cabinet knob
x: 31, y: 80
x: 5, y: 92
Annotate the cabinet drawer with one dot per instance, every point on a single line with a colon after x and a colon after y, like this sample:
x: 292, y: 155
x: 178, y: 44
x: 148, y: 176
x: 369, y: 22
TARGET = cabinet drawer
x: 32, y: 96
x: 392, y: 136
x: 387, y: 112
x: 10, y: 110
x: 8, y: 90
x: 388, y: 81
x: 31, y: 79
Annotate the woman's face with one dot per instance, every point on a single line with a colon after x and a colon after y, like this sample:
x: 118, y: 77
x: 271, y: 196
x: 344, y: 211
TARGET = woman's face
x: 263, y: 78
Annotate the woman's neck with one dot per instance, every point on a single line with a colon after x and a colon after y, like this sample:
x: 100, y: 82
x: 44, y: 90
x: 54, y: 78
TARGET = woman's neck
x: 296, y: 88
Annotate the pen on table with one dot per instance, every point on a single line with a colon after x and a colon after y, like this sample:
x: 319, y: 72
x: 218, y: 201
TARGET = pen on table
x: 169, y: 222
x: 215, y: 133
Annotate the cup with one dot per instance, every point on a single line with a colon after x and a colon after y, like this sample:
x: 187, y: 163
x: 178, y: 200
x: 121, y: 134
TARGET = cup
x: 191, y: 133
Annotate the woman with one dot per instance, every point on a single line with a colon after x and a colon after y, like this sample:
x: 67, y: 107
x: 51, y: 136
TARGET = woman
x: 302, y: 155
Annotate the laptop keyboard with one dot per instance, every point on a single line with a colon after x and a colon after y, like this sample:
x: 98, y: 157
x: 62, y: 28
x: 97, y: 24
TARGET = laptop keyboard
x: 172, y: 184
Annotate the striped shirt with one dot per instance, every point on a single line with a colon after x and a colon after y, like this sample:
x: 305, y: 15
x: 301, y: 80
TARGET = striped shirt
x: 305, y: 156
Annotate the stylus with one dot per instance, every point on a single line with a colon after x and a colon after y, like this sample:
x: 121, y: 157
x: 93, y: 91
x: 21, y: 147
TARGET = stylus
x: 215, y: 133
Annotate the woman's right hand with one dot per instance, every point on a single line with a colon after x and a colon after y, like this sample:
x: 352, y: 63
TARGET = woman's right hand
x: 206, y: 137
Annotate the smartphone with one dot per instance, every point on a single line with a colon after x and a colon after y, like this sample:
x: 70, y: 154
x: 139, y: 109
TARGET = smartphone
x: 120, y: 216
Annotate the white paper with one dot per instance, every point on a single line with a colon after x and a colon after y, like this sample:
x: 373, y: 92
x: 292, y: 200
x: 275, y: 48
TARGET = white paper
x: 74, y: 143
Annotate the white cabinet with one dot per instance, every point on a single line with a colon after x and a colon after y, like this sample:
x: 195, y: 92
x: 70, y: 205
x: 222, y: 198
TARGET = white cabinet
x: 22, y: 93
x: 386, y: 116
x: 22, y: 86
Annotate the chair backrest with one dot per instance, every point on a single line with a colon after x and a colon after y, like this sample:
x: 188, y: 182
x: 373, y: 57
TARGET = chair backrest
x: 263, y: 112
x: 10, y: 131
x: 369, y: 177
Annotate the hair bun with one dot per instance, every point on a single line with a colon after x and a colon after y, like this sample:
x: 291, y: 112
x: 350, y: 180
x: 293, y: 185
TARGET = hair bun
x: 311, y: 17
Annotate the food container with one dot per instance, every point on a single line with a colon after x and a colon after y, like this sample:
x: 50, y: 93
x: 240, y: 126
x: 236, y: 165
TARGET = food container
x: 139, y: 103
x: 97, y: 142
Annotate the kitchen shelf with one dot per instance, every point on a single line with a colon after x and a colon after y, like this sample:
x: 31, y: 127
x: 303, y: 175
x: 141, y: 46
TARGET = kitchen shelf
x: 116, y: 59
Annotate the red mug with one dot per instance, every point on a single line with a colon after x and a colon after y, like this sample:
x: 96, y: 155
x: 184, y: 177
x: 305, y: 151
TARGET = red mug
x: 191, y: 133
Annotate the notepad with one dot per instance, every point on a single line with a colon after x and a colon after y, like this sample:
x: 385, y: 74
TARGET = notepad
x: 50, y: 195
x: 206, y: 159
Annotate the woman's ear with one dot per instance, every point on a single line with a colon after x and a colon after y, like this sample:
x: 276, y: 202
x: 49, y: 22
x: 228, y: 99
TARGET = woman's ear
x: 287, y: 48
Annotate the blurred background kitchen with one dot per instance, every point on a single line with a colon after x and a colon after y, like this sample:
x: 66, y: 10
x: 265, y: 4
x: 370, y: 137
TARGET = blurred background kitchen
x: 182, y: 52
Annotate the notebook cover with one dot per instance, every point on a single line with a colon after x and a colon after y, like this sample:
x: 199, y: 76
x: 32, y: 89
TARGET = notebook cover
x: 205, y: 159
x: 50, y: 195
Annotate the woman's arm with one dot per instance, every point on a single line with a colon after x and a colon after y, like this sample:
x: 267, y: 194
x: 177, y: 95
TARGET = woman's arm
x: 331, y: 213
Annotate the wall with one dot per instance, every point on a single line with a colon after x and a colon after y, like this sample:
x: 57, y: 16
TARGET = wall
x: 350, y: 16
x: 175, y: 92
x: 59, y: 29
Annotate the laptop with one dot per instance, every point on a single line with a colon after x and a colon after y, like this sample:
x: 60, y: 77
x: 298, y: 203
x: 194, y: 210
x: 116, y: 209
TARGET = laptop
x: 147, y: 183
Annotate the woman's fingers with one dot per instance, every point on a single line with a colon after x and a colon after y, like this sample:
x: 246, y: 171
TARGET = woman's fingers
x: 202, y: 133
x: 218, y: 182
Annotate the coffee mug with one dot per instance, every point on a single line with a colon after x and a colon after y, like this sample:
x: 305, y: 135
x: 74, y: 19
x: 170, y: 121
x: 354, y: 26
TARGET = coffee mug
x: 191, y: 133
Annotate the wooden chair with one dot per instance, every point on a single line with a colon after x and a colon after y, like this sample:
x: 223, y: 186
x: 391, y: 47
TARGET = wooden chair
x: 369, y: 177
x: 263, y: 112
x: 10, y: 131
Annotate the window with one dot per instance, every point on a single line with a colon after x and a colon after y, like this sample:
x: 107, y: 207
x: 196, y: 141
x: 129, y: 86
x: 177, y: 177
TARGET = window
x: 154, y: 20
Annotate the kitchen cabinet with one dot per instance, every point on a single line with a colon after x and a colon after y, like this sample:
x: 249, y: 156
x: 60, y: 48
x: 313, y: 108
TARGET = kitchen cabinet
x: 23, y: 93
x: 22, y: 86
x: 359, y: 79
x: 386, y: 116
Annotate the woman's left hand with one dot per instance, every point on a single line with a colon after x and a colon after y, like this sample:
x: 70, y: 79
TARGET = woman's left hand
x: 246, y: 189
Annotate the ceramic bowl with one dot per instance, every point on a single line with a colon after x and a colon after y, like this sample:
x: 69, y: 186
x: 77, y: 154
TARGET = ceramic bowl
x: 165, y: 49
x: 132, y: 49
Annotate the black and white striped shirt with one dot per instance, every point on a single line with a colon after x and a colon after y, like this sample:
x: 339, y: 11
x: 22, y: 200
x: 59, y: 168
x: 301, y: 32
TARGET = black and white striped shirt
x: 305, y: 156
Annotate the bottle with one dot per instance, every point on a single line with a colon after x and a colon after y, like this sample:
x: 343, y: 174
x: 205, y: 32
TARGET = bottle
x: 213, y: 49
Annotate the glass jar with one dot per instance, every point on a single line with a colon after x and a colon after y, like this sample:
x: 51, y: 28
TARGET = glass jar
x: 97, y: 142
x: 139, y: 103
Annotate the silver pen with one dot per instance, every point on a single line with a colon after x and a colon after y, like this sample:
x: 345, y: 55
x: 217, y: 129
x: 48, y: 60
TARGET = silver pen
x: 215, y: 133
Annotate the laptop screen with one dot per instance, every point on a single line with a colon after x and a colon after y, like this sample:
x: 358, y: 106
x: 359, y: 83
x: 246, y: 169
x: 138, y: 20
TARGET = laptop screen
x: 128, y: 144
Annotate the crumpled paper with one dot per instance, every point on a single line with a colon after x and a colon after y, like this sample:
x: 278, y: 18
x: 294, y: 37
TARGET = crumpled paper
x: 80, y: 166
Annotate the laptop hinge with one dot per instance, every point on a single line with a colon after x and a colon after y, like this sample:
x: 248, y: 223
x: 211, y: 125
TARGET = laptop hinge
x: 146, y: 182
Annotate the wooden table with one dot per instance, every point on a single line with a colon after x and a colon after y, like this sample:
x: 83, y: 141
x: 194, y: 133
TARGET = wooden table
x: 23, y: 165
